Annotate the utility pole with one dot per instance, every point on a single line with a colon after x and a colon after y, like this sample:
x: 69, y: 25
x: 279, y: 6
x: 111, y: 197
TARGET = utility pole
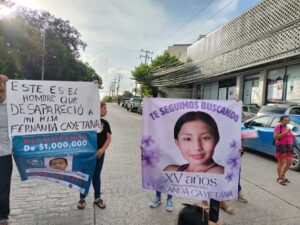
x: 113, y: 87
x: 43, y: 59
x: 146, y: 56
x: 120, y: 76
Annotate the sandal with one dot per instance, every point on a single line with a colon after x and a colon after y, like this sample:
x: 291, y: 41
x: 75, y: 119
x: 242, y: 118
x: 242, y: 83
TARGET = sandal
x: 81, y: 204
x: 281, y: 181
x: 99, y: 202
x: 228, y: 209
x: 285, y: 179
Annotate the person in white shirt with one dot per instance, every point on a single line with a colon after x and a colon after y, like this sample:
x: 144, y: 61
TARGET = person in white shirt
x: 5, y: 155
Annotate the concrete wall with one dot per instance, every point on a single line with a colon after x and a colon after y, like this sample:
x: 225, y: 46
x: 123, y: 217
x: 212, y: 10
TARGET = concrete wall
x: 179, y: 51
x: 178, y: 92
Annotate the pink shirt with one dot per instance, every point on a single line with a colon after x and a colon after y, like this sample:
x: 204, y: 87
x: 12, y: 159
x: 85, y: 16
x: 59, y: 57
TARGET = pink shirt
x: 287, y: 139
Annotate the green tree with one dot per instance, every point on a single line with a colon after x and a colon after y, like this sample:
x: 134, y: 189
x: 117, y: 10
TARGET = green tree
x: 22, y: 50
x: 127, y: 94
x: 107, y: 99
x: 143, y: 74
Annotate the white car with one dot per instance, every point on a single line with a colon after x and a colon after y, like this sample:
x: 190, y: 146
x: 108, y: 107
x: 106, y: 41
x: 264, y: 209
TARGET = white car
x: 249, y: 111
x: 133, y: 104
x: 286, y: 109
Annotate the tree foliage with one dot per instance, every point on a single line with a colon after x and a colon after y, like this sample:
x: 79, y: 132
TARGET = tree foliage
x: 22, y: 50
x: 127, y: 94
x: 143, y: 74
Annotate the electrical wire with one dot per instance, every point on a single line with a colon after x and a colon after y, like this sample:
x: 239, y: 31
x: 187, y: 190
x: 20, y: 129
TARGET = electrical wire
x: 196, y: 27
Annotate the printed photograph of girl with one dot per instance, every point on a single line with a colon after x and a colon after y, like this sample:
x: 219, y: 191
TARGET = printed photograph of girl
x: 59, y: 163
x: 196, y: 135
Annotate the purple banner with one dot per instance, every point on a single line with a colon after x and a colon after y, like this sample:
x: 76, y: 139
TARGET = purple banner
x: 191, y: 148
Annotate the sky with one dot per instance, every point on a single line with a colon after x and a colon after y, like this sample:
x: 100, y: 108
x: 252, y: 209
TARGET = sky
x: 116, y: 30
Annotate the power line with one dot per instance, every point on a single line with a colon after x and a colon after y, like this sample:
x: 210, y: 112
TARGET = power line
x: 171, y: 72
x: 196, y: 27
x: 192, y: 18
x: 207, y: 5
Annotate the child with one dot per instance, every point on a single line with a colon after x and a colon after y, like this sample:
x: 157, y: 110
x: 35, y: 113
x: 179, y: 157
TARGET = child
x: 156, y: 201
x: 103, y: 141
x: 193, y: 215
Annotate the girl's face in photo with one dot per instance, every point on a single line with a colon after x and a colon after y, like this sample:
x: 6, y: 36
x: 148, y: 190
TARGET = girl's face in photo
x: 196, y: 141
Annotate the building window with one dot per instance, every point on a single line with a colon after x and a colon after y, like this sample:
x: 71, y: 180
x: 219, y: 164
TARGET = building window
x: 210, y: 91
x: 284, y: 84
x: 227, y: 89
x: 293, y: 83
x: 275, y: 84
x: 251, y: 91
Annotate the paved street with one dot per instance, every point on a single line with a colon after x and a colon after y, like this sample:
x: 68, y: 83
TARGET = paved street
x: 41, y: 202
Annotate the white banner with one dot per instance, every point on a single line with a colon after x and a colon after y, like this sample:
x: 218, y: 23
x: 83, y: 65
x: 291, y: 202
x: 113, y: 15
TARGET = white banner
x: 36, y: 107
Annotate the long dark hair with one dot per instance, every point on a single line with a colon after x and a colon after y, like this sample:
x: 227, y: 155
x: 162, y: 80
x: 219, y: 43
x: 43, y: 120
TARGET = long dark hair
x: 192, y: 215
x: 194, y: 116
x: 282, y: 117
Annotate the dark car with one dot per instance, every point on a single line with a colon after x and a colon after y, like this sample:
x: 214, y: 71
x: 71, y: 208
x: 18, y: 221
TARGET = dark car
x: 264, y: 125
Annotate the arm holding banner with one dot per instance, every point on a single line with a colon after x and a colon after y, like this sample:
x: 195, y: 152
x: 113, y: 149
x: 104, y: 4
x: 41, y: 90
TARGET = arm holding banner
x: 104, y: 137
x: 101, y: 151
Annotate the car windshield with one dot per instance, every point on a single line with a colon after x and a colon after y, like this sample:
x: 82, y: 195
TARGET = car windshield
x: 273, y: 109
x: 253, y: 110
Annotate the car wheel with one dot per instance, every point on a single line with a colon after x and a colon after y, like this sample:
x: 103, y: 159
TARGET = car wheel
x: 296, y: 160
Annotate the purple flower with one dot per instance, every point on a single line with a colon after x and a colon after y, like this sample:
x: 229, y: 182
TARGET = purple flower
x: 150, y: 157
x: 229, y: 176
x: 233, y: 160
x: 146, y: 141
x: 233, y: 144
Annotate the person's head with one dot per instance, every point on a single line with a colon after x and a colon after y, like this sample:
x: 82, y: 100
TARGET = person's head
x: 192, y: 215
x: 284, y: 120
x: 103, y: 109
x: 58, y: 163
x: 3, y: 80
x: 196, y: 134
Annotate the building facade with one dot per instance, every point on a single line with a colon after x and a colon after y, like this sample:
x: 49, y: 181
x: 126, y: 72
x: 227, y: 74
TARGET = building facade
x: 254, y: 58
x: 185, y: 91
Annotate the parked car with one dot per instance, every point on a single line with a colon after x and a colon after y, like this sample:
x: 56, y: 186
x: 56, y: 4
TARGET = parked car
x: 287, y: 109
x: 126, y: 104
x: 133, y: 104
x: 140, y: 108
x: 124, y: 101
x: 249, y: 111
x: 264, y: 125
